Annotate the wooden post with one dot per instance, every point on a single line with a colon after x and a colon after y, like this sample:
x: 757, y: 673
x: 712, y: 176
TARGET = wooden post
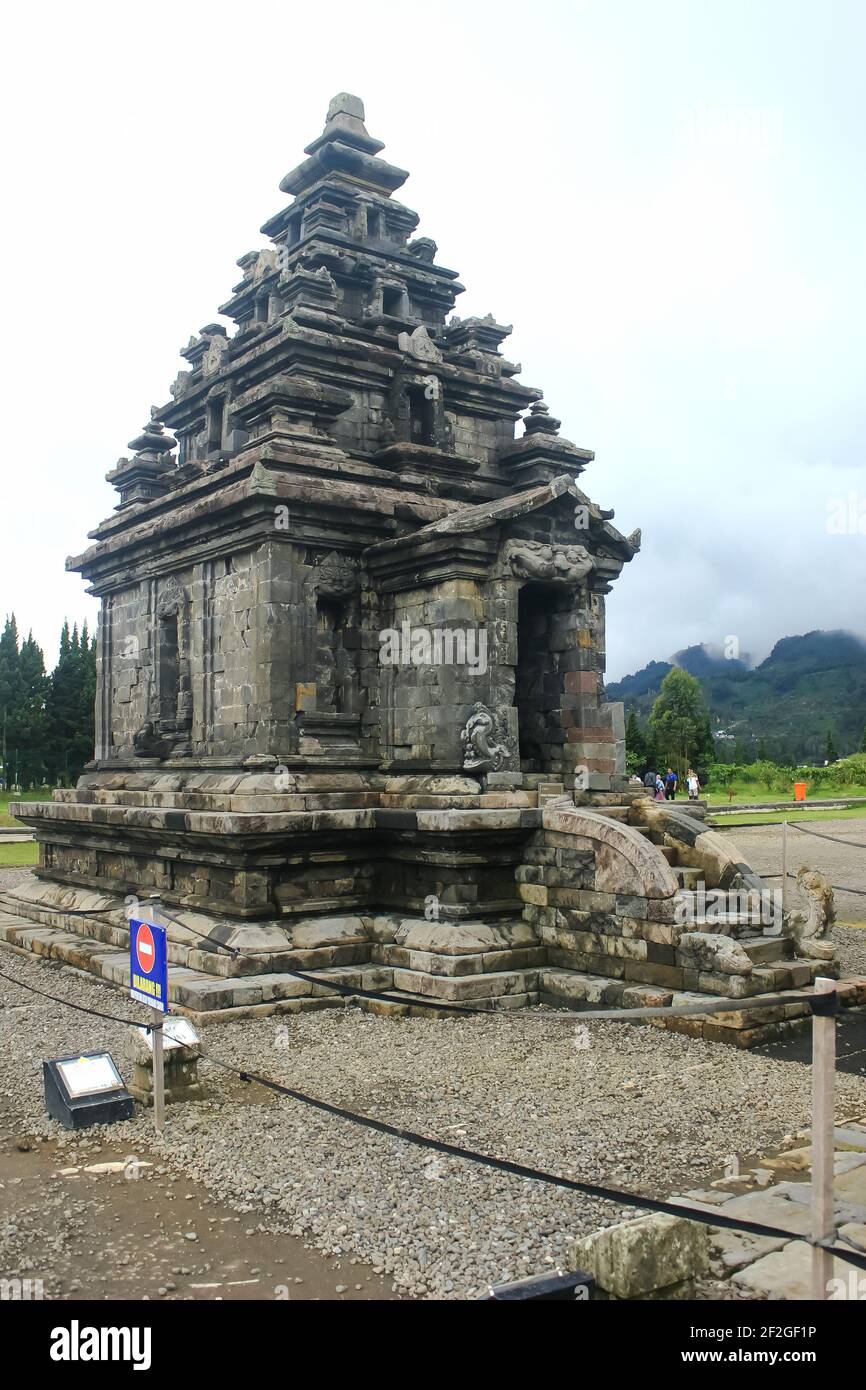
x: 158, y: 1058
x: 158, y: 1073
x: 823, y: 1120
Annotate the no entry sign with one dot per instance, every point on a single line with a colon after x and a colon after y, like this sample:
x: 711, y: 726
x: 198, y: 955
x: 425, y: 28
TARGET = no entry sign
x: 148, y: 965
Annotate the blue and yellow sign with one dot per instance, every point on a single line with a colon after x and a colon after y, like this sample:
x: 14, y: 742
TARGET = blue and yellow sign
x: 148, y: 965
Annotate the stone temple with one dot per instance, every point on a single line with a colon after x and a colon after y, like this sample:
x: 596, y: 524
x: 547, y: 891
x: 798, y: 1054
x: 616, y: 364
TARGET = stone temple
x: 350, y: 714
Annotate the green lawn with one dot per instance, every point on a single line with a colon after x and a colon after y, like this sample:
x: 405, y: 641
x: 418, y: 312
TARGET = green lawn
x: 6, y: 797
x: 777, y: 817
x: 749, y: 794
x: 19, y: 856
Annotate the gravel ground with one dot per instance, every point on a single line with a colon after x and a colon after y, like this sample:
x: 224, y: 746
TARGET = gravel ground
x: 632, y: 1106
x: 9, y: 877
x: 844, y: 864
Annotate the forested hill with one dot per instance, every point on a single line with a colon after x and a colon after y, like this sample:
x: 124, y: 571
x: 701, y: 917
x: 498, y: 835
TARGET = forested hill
x: 808, y: 687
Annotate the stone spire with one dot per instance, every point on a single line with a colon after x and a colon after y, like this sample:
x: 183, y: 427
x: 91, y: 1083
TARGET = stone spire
x: 344, y: 124
x: 345, y: 151
x: 148, y: 474
x: 540, y: 420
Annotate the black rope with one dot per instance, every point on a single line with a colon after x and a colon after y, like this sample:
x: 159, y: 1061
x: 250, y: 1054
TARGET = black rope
x: 837, y: 887
x: 713, y: 1004
x: 716, y: 1218
x: 95, y: 1013
x: 819, y: 835
x: 502, y: 1165
x: 103, y: 911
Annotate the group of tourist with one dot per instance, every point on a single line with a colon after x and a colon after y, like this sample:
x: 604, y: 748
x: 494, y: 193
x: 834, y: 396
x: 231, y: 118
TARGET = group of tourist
x: 665, y: 788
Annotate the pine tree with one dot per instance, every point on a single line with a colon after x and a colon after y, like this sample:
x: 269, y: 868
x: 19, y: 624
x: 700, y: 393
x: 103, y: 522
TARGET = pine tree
x: 70, y: 704
x: 830, y: 754
x: 31, y: 725
x: 635, y: 744
x: 10, y: 698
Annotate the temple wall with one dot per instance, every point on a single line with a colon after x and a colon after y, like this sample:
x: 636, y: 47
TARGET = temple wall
x: 425, y: 706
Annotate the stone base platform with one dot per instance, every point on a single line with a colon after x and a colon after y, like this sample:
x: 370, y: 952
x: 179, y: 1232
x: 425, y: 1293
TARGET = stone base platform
x: 483, y: 965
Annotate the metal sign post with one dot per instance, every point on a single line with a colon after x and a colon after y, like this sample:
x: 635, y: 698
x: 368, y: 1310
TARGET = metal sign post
x: 823, y: 1121
x: 158, y: 1073
x: 784, y: 865
x: 148, y: 983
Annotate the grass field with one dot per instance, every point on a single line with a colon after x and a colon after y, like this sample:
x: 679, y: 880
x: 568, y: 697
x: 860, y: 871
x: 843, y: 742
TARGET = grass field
x: 6, y: 797
x: 792, y: 816
x: 20, y: 856
x: 748, y: 795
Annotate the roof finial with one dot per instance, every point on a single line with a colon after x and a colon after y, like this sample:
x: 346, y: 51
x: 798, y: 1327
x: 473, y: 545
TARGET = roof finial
x: 345, y: 123
x: 540, y: 420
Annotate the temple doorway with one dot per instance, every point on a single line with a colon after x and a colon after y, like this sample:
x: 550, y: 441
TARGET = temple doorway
x: 538, y: 686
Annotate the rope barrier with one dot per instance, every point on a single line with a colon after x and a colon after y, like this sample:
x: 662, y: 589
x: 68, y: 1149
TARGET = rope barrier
x: 713, y: 1005
x: 837, y: 887
x: 95, y: 1013
x: 621, y: 1198
x: 819, y: 835
x: 102, y: 911
x: 718, y: 1219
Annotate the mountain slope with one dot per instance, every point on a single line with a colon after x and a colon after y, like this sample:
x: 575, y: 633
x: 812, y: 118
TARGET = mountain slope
x: 807, y: 686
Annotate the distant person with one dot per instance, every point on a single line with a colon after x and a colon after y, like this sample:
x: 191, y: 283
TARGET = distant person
x: 693, y: 784
x: 671, y: 784
x: 660, y: 787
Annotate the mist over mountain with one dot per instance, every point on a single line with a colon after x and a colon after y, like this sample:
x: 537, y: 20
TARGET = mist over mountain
x: 808, y: 687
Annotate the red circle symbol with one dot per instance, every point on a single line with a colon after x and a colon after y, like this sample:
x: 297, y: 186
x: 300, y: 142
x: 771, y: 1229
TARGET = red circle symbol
x: 145, y: 950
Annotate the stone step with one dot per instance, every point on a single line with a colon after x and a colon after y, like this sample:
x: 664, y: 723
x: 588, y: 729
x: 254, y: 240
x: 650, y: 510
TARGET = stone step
x: 686, y: 876
x: 579, y: 991
x: 751, y: 922
x: 468, y: 988
x: 764, y: 949
x: 668, y: 852
x: 545, y: 798
x: 620, y: 813
x: 482, y: 963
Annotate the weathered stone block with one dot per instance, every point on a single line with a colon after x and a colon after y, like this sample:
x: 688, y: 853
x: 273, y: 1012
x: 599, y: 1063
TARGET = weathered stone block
x: 636, y: 1258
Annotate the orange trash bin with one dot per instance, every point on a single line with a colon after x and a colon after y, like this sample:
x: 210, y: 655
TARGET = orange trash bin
x: 799, y: 791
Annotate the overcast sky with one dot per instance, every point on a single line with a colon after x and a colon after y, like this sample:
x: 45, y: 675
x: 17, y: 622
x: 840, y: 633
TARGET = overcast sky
x: 666, y: 199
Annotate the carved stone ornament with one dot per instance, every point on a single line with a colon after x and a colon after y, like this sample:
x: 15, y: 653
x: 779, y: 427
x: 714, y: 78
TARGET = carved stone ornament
x: 480, y: 752
x: 171, y: 598
x: 563, y: 564
x: 419, y: 345
x: 810, y: 928
x: 333, y: 577
x: 215, y: 357
x: 147, y: 743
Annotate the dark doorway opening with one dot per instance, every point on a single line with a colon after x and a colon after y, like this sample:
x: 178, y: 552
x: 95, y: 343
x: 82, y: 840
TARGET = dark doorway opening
x: 169, y: 669
x: 422, y: 416
x: 538, y: 686
x: 336, y: 672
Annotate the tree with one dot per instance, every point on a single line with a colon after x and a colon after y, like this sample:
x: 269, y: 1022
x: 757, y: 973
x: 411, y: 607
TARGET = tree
x: 680, y: 723
x: 830, y: 754
x: 10, y: 697
x: 635, y: 744
x: 70, y: 705
x: 31, y: 730
x: 862, y: 748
